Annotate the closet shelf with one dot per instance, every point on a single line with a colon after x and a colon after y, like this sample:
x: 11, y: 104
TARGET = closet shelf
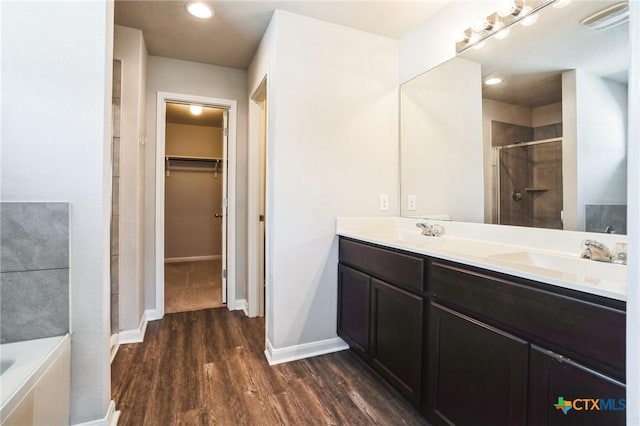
x: 191, y: 158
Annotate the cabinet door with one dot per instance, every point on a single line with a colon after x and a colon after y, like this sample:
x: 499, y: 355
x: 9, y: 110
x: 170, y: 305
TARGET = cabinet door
x: 353, y: 309
x: 594, y: 399
x: 477, y: 373
x: 396, y: 337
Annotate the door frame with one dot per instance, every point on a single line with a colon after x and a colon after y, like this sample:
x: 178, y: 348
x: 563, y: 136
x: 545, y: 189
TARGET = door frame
x: 232, y: 107
x: 253, y: 201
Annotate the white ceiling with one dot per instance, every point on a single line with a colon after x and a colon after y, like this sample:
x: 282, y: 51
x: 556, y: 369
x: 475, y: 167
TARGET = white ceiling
x: 531, y: 60
x: 232, y: 36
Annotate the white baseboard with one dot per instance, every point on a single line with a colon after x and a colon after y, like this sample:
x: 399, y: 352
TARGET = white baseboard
x: 114, y: 345
x: 192, y: 258
x: 305, y: 350
x: 136, y: 335
x: 241, y: 304
x: 152, y: 315
x: 110, y: 419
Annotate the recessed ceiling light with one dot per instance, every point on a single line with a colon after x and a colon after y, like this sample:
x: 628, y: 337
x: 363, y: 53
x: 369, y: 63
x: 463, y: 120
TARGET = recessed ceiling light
x: 493, y: 81
x: 195, y: 109
x: 200, y: 10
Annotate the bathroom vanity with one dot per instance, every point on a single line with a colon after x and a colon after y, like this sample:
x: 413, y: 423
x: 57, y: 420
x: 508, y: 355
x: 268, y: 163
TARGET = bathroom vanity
x: 468, y: 344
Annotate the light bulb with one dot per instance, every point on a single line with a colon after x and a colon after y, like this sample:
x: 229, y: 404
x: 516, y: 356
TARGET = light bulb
x: 493, y: 81
x: 200, y: 10
x: 509, y: 7
x: 195, y: 109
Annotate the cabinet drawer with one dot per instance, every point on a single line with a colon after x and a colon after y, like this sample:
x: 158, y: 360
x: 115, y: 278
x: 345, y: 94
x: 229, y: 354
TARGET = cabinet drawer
x: 397, y: 268
x: 589, y: 331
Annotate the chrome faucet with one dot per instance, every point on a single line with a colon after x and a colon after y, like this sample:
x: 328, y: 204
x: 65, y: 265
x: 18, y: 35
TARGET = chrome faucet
x: 429, y: 230
x: 595, y: 250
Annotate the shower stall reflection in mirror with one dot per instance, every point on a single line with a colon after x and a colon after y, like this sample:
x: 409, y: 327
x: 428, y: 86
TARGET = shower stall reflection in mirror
x: 528, y: 184
x: 195, y: 203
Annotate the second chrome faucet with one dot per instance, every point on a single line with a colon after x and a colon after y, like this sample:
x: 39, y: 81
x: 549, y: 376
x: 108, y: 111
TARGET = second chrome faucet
x: 431, y: 230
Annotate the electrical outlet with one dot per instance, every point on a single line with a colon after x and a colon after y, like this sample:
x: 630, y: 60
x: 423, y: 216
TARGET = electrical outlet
x: 411, y: 202
x: 384, y: 202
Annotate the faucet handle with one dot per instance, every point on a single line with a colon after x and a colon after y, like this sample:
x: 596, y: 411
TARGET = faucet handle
x: 593, y: 243
x: 619, y: 253
x: 437, y: 230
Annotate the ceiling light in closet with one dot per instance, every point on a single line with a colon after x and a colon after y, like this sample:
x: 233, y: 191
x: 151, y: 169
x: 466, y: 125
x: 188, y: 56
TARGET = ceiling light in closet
x: 200, y: 10
x: 195, y: 109
x: 493, y: 81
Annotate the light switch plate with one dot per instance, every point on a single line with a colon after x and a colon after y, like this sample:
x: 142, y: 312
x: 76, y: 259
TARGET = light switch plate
x: 411, y: 202
x: 384, y: 202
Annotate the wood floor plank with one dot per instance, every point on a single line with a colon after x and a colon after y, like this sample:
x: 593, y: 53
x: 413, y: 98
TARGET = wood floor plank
x: 208, y: 368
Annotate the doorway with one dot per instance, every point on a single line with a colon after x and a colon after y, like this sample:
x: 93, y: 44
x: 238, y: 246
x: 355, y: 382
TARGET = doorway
x: 258, y: 204
x: 195, y: 203
x: 195, y: 189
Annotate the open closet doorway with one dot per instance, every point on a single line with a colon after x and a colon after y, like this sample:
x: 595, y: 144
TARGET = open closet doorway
x: 194, y: 204
x: 195, y: 189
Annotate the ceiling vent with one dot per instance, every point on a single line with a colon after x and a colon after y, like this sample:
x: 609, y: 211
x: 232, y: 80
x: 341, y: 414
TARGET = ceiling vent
x: 608, y: 18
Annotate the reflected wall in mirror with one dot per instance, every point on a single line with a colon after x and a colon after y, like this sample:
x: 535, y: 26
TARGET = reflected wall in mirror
x: 545, y: 147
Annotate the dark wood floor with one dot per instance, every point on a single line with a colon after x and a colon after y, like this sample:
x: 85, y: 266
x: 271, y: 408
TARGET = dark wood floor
x: 208, y: 367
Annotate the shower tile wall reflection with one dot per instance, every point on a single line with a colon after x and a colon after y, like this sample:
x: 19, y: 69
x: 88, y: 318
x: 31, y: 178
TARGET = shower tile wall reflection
x: 606, y: 218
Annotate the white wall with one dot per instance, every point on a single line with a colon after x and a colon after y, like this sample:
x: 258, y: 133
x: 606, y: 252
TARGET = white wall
x: 56, y: 146
x: 441, y: 131
x: 130, y: 48
x: 333, y: 100
x: 191, y: 78
x: 594, y: 146
x: 547, y: 114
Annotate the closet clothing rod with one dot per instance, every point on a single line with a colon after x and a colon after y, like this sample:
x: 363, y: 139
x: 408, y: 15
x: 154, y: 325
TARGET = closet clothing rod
x: 191, y: 158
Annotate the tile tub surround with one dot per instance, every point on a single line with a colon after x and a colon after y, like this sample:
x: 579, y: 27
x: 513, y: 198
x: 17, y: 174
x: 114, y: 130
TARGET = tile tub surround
x: 34, y: 270
x: 485, y: 246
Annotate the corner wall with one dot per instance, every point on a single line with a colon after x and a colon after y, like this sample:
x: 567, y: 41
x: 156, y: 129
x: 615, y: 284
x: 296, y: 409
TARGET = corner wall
x: 333, y: 98
x: 130, y: 49
x: 56, y: 146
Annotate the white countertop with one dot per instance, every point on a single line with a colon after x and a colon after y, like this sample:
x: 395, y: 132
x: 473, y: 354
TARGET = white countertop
x: 535, y: 254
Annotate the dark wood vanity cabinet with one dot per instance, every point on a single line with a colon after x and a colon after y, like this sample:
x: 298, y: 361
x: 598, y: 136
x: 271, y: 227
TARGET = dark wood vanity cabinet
x: 469, y: 346
x: 477, y: 373
x: 354, y: 290
x: 552, y: 376
x: 396, y: 337
x: 380, y: 312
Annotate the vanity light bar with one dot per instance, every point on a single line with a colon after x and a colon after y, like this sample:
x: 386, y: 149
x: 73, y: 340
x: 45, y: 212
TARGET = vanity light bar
x: 499, y: 21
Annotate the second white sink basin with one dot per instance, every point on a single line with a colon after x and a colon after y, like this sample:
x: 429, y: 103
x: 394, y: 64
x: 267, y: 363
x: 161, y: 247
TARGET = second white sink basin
x: 571, y: 265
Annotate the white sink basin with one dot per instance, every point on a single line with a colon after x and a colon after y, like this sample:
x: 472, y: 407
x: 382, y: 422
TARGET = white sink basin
x: 588, y: 269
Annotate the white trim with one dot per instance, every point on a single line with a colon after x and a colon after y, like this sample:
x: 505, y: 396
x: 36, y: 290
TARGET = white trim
x: 136, y: 335
x: 114, y: 345
x: 241, y: 304
x: 110, y: 419
x: 151, y: 315
x: 232, y: 106
x: 633, y: 225
x: 253, y: 196
x: 192, y: 258
x: 305, y: 350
